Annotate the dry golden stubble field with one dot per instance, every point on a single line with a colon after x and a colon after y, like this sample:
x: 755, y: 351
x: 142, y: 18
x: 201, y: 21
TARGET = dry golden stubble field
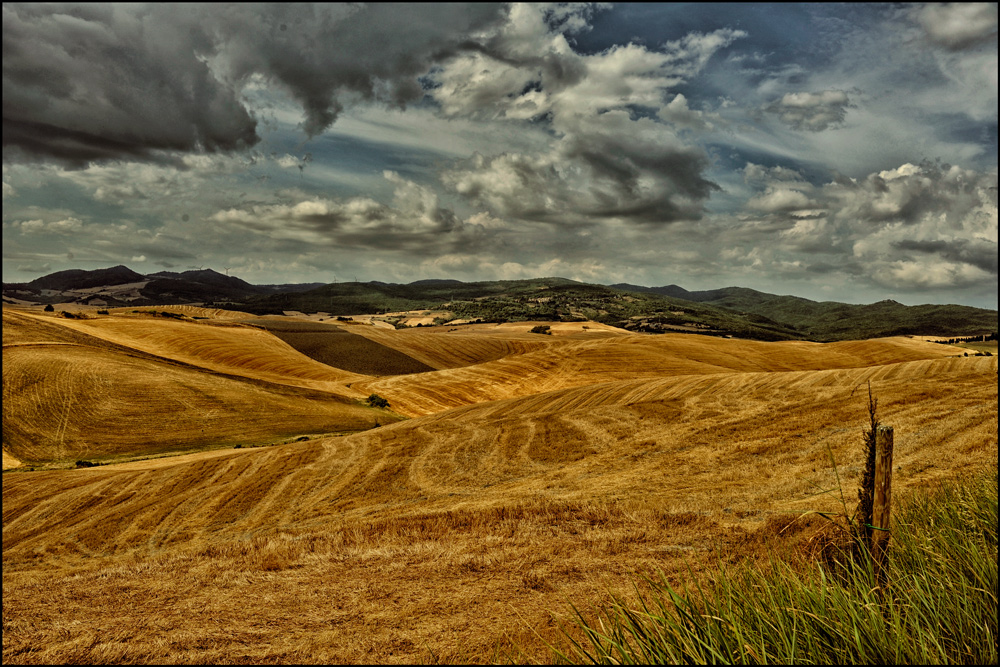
x: 339, y: 347
x: 567, y: 362
x: 222, y: 346
x: 454, y: 347
x: 451, y: 536
x: 124, y: 385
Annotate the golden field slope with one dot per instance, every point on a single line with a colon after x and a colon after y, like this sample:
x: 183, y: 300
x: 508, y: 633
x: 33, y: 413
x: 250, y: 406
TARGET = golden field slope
x: 184, y: 309
x: 451, y: 535
x: 563, y: 363
x: 715, y: 437
x: 453, y: 347
x: 110, y: 386
x: 222, y: 347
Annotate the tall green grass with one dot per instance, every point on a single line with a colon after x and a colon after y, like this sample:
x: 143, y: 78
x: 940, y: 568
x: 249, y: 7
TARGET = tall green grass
x: 939, y: 604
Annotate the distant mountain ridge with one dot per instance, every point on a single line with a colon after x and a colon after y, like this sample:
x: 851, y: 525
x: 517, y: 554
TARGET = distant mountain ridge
x: 208, y: 277
x: 831, y: 320
x: 160, y: 288
x: 732, y: 311
x: 82, y: 279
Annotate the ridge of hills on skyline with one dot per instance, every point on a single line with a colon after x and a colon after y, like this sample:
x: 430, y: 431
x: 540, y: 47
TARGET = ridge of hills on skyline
x: 160, y: 288
x: 733, y: 311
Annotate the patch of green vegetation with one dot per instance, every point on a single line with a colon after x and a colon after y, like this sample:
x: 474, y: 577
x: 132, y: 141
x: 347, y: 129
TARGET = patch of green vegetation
x: 733, y: 311
x: 830, y: 320
x: 377, y: 401
x: 938, y: 605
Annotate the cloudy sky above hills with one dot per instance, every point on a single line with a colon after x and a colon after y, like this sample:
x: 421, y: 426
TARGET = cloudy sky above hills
x: 842, y: 152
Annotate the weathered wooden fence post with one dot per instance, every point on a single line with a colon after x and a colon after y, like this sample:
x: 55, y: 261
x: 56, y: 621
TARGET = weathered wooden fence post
x: 882, y: 496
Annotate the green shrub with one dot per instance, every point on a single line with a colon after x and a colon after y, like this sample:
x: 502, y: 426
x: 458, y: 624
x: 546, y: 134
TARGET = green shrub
x: 86, y: 464
x: 542, y: 329
x: 48, y: 308
x: 377, y: 401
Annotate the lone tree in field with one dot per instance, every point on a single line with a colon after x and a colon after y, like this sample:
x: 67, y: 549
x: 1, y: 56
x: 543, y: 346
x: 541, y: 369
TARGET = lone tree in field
x: 377, y: 401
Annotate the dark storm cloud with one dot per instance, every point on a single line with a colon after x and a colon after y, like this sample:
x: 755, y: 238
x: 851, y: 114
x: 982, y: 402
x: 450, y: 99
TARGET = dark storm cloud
x: 823, y: 268
x: 591, y: 178
x: 977, y: 252
x: 95, y: 82
x: 607, y: 160
x: 162, y: 252
x: 321, y: 51
x: 86, y: 83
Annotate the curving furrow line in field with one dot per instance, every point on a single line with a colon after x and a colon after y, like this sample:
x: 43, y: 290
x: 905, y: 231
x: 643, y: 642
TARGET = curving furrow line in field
x: 698, y: 441
x: 444, y: 350
x: 239, y: 350
x: 68, y: 401
x: 582, y: 363
x: 678, y: 420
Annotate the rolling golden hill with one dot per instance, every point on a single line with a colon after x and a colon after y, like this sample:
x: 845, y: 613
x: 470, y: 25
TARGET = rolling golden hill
x: 219, y: 346
x: 563, y: 363
x: 111, y: 386
x: 456, y: 349
x: 553, y: 472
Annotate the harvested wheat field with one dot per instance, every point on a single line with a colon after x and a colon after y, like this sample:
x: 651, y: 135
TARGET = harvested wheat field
x: 334, y: 346
x: 113, y: 385
x: 534, y: 471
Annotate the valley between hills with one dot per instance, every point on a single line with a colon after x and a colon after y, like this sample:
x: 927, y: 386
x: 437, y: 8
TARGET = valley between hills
x: 197, y: 484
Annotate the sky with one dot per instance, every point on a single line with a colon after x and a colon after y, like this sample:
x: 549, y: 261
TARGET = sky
x: 834, y: 152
